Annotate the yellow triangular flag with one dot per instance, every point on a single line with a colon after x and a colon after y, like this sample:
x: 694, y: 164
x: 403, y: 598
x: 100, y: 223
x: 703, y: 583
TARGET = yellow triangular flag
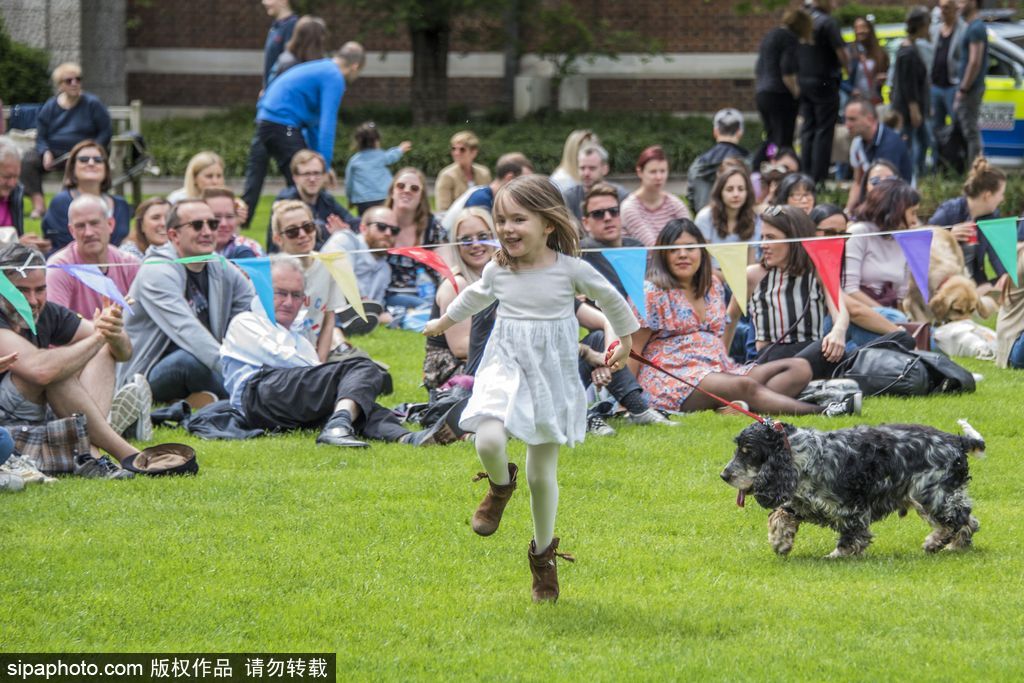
x: 732, y: 261
x: 340, y: 268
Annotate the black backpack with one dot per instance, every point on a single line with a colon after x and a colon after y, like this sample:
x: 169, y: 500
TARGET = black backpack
x: 885, y: 366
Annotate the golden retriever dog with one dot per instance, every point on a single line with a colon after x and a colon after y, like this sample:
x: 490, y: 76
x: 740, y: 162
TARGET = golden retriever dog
x: 952, y: 294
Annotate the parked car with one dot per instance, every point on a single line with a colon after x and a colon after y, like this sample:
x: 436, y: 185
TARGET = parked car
x: 1002, y: 109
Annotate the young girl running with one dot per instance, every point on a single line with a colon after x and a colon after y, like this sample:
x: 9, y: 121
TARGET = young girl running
x: 528, y: 384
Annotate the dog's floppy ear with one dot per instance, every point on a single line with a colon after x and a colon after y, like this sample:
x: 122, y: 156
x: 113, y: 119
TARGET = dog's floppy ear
x: 940, y: 305
x: 775, y: 483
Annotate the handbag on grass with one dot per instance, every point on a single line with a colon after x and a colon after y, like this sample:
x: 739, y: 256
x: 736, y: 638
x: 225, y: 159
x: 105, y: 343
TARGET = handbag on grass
x: 884, y: 366
x: 52, y: 446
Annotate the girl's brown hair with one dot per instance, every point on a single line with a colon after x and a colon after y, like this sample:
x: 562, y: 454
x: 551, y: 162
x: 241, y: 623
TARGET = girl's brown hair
x: 309, y: 39
x: 792, y: 222
x: 745, y: 220
x: 537, y: 194
x: 658, y: 271
x: 983, y: 177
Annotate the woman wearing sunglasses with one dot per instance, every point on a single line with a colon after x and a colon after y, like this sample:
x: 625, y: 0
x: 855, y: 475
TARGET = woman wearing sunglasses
x: 407, y: 197
x: 462, y: 174
x: 474, y: 246
x: 63, y: 121
x: 87, y: 172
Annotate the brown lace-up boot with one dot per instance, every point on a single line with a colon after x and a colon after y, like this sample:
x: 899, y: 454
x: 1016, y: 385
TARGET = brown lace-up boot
x: 488, y: 515
x: 545, y: 571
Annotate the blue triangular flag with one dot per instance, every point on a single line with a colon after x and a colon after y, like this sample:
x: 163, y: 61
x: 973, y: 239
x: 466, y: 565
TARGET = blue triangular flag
x: 631, y: 266
x: 92, y: 277
x: 917, y: 248
x: 258, y: 270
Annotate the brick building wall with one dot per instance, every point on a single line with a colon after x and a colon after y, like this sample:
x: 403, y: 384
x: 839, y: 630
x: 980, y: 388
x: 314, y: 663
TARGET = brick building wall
x: 681, y: 27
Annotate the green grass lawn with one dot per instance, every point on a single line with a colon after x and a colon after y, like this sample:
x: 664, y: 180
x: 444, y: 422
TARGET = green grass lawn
x: 281, y: 545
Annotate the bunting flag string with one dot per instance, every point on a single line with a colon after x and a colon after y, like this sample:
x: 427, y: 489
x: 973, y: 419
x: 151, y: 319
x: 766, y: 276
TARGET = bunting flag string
x: 340, y: 268
x: 18, y: 300
x: 1002, y: 235
x: 258, y: 270
x: 732, y: 261
x: 92, y: 277
x: 428, y: 258
x: 631, y: 267
x: 827, y: 256
x: 917, y: 249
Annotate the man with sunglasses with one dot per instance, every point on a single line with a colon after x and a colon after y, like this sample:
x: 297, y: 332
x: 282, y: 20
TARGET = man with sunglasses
x: 295, y: 235
x: 593, y: 167
x: 277, y: 381
x: 377, y: 231
x: 182, y: 310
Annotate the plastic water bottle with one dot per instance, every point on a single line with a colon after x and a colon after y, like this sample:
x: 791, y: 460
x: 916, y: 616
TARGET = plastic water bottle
x: 425, y: 287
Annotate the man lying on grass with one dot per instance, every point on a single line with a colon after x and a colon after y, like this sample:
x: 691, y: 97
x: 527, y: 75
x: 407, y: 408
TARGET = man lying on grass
x: 277, y: 381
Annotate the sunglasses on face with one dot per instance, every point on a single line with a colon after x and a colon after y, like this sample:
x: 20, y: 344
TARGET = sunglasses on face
x: 200, y: 223
x: 599, y: 214
x: 386, y: 227
x: 309, y: 227
x: 412, y: 188
x: 470, y: 240
x: 72, y: 79
x: 88, y: 159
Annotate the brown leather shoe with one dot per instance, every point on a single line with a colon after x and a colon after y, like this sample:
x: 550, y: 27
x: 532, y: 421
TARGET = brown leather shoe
x: 488, y: 515
x: 545, y: 571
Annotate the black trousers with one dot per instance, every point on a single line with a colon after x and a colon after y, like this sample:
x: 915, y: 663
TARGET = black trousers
x: 819, y: 107
x: 281, y: 143
x: 297, y: 398
x: 778, y: 113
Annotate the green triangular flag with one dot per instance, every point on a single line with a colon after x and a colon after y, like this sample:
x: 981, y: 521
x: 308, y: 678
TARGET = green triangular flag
x: 1002, y: 235
x: 18, y: 300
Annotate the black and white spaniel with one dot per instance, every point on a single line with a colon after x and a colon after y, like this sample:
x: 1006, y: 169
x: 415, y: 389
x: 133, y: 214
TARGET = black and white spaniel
x: 848, y: 478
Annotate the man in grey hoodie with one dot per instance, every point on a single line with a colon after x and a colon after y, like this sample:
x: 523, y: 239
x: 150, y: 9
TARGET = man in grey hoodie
x: 182, y: 311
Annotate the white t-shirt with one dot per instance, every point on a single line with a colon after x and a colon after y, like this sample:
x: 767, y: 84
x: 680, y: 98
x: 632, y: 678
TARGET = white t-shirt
x: 324, y: 294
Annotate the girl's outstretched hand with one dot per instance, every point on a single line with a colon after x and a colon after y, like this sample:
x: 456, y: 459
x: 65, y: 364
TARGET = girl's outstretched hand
x: 433, y: 328
x: 617, y: 353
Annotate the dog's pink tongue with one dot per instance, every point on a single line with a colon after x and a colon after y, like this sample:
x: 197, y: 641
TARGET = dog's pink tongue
x: 741, y: 497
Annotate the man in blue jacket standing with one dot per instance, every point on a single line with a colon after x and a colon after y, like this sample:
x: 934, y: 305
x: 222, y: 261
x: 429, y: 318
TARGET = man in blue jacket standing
x: 306, y: 98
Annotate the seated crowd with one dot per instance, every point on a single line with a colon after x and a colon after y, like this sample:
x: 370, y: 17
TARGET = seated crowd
x: 197, y: 332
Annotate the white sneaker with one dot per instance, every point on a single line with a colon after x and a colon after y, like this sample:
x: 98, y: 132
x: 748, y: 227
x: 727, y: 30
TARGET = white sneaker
x: 850, y: 405
x: 650, y: 417
x: 598, y: 427
x: 825, y: 391
x: 130, y: 408
x: 20, y: 466
x: 11, y: 482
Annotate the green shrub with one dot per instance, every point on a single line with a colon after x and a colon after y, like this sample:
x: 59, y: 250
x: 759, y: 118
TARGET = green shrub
x: 540, y: 137
x: 884, y: 14
x: 937, y: 189
x: 24, y: 71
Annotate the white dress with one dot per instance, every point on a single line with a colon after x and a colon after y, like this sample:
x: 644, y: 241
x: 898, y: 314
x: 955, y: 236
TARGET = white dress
x: 528, y: 376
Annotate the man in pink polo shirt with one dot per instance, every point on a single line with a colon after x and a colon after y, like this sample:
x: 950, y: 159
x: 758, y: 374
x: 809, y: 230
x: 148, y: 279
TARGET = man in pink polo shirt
x: 91, y: 224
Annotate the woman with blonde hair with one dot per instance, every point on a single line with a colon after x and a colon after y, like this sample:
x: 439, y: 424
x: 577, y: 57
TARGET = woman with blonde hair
x: 462, y: 174
x: 568, y: 172
x: 473, y: 248
x: 205, y: 169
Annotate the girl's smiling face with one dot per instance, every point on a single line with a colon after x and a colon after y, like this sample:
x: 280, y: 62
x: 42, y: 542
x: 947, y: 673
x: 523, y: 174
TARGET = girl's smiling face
x: 154, y: 224
x: 522, y: 233
x: 684, y: 263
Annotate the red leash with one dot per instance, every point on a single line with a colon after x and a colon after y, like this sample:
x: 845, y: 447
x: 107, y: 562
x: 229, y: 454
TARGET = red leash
x: 735, y: 406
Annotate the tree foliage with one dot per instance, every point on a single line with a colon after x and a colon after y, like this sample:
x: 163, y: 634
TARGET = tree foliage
x: 24, y: 71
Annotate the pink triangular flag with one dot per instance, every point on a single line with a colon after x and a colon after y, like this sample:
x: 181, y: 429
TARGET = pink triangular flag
x: 827, y: 255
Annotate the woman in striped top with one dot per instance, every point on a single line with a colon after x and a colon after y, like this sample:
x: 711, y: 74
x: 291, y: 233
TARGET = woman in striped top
x: 646, y: 211
x: 788, y: 305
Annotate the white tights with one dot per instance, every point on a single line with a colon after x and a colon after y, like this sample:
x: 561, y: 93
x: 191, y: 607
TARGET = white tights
x: 541, y: 475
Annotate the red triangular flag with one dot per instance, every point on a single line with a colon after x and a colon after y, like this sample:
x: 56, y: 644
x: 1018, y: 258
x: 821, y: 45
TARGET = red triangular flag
x: 827, y: 256
x: 427, y: 257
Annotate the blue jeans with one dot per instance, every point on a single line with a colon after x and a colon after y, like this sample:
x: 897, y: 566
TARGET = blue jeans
x: 860, y: 336
x: 1016, y: 359
x: 920, y: 140
x: 942, y: 105
x: 6, y: 445
x: 406, y: 301
x: 179, y: 374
